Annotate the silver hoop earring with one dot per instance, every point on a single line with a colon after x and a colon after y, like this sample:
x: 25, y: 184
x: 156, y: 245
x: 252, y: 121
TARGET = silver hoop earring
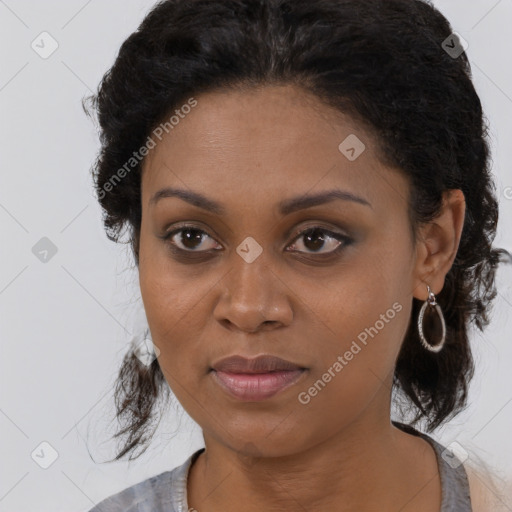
x: 431, y: 301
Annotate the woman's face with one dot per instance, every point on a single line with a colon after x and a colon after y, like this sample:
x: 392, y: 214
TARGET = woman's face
x: 243, y: 280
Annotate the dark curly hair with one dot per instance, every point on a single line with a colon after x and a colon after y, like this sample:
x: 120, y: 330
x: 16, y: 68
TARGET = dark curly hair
x: 383, y: 62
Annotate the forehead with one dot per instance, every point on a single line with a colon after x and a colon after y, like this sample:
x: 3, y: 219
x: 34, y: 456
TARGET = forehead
x: 266, y: 144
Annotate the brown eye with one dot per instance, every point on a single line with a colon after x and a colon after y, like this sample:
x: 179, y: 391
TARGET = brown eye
x: 189, y: 239
x: 313, y: 241
x: 317, y: 238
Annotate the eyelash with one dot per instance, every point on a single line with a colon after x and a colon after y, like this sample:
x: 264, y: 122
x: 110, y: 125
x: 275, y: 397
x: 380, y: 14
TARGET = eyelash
x: 343, y: 239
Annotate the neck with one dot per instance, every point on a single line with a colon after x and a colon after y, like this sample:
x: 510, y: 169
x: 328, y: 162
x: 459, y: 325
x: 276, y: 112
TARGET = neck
x: 369, y: 465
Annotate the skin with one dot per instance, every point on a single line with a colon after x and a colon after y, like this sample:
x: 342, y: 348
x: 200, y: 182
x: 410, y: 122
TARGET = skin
x: 249, y: 150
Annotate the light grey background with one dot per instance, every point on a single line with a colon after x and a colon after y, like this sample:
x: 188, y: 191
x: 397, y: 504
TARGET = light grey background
x: 66, y: 323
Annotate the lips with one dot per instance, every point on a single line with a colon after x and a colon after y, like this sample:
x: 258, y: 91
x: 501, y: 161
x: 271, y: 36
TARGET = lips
x: 260, y: 364
x: 256, y: 379
x: 254, y: 387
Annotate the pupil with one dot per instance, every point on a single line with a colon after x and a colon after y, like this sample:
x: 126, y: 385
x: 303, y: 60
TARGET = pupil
x: 314, y: 234
x: 187, y: 238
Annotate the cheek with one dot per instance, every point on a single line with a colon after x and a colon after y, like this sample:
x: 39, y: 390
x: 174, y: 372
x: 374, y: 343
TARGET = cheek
x: 178, y: 314
x: 359, y: 339
x: 355, y: 370
x: 165, y: 288
x: 360, y: 317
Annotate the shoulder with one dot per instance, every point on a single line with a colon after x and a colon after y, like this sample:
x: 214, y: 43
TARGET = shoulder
x: 150, y: 495
x: 488, y: 491
x: 164, y: 492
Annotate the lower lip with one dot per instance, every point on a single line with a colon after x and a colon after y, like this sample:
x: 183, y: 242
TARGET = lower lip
x: 256, y: 386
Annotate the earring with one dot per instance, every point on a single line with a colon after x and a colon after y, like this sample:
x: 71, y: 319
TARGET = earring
x: 431, y: 301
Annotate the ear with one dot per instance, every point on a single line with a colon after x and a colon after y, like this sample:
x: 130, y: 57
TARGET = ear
x: 437, y: 244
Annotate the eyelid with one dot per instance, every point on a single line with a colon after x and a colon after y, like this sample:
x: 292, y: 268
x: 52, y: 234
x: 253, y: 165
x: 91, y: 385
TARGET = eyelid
x: 316, y: 225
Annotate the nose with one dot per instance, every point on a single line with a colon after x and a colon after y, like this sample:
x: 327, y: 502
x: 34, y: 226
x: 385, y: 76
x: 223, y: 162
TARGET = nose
x: 253, y: 298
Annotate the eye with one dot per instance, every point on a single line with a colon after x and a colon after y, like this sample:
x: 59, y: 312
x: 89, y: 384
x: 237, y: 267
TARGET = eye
x: 193, y: 240
x: 188, y: 239
x: 317, y: 238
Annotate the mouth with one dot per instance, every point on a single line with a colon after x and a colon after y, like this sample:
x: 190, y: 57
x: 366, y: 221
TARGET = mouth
x: 256, y: 379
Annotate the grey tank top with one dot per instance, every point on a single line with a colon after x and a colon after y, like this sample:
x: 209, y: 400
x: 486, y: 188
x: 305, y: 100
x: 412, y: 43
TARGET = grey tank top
x: 167, y: 492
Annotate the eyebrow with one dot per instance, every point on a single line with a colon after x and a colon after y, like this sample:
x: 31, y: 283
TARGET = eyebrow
x: 285, y: 207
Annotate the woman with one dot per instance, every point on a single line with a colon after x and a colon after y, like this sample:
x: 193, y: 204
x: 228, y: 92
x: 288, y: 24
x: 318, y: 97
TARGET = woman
x: 311, y: 211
